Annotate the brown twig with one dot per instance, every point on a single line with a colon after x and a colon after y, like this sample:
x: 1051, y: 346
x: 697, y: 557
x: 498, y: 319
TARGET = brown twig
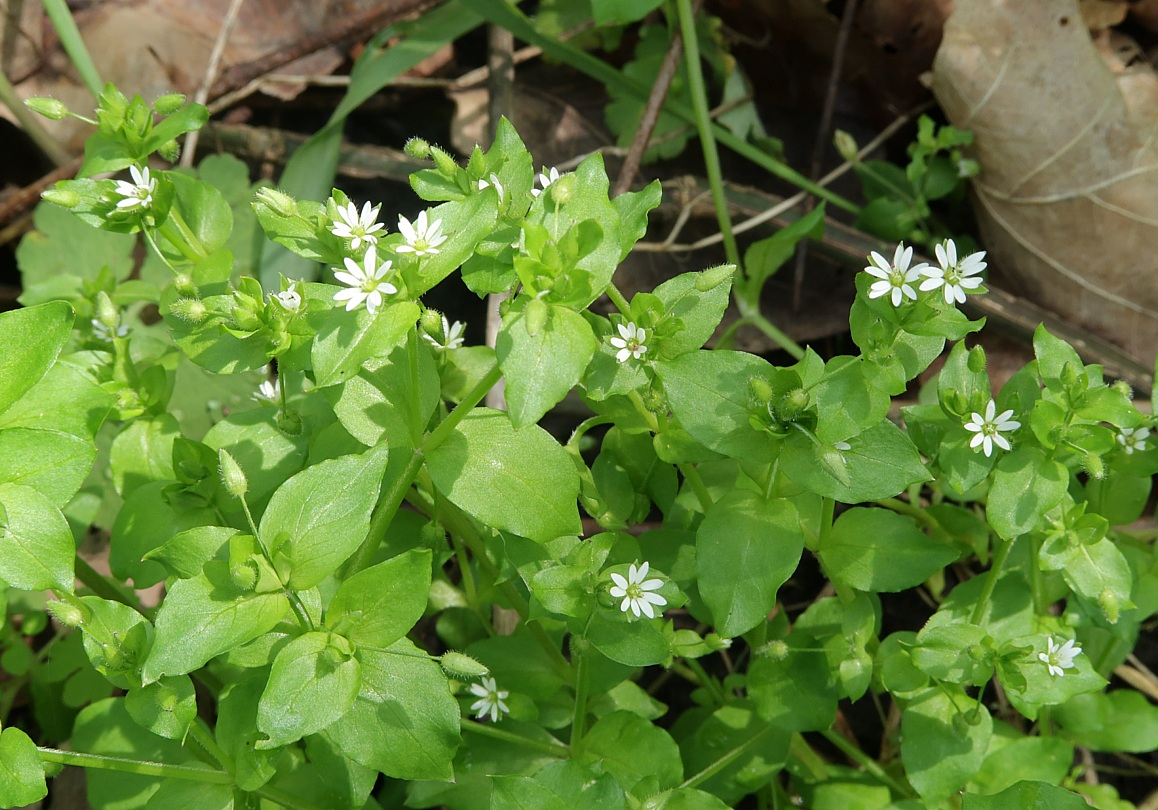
x: 26, y: 198
x: 211, y: 70
x: 343, y: 33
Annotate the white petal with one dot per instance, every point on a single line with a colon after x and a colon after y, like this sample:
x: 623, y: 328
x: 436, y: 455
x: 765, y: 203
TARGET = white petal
x: 627, y: 330
x: 654, y: 598
x: 879, y: 288
x: 977, y: 439
x: 478, y: 689
x: 1001, y: 441
x: 348, y: 279
x: 619, y: 581
x: 635, y: 607
x: 990, y: 411
x: 942, y: 258
x: 651, y: 585
x: 626, y: 606
x: 622, y: 355
x: 641, y: 571
x: 645, y: 607
x: 898, y: 296
x: 931, y: 284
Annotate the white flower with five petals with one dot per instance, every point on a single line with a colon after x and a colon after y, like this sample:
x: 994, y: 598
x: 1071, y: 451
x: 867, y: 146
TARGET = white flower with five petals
x: 137, y: 194
x: 1059, y: 657
x: 545, y: 178
x: 490, y: 700
x: 290, y: 300
x: 1133, y: 439
x: 636, y: 592
x: 422, y: 236
x: 358, y: 228
x: 953, y: 277
x: 988, y: 428
x: 896, y: 278
x: 366, y: 282
x: 632, y: 342
x: 453, y: 335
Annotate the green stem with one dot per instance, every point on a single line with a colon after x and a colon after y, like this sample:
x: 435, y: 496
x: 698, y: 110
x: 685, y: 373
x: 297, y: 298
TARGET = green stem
x: 771, y: 331
x: 578, y: 727
x: 552, y: 748
x: 727, y: 759
x: 199, y: 731
x: 991, y: 581
x: 104, y: 587
x: 173, y: 234
x: 285, y: 799
x: 137, y: 766
x: 871, y: 766
x: 619, y: 300
x: 692, y: 475
x: 73, y: 44
x: 1035, y: 584
x: 703, y: 121
x: 706, y: 681
x: 295, y: 601
x: 905, y: 508
x: 193, y: 243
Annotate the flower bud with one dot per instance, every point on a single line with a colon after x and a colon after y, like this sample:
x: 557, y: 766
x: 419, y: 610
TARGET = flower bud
x: 461, y: 665
x: 716, y: 643
x: 845, y: 145
x: 170, y: 151
x: 169, y: 103
x: 793, y: 404
x: 417, y: 149
x: 106, y: 311
x: 444, y: 162
x: 1094, y: 467
x: 714, y: 276
x: 190, y: 310
x: 183, y: 282
x: 63, y: 197
x: 562, y: 190
x: 48, y: 107
x: 432, y: 324
x: 276, y: 200
x: 1109, y: 603
x: 976, y: 360
x: 1123, y: 387
x: 777, y: 650
x: 536, y: 314
x: 476, y: 166
x: 232, y: 475
x: 289, y: 422
x: 759, y: 390
x: 1069, y: 375
x: 70, y: 614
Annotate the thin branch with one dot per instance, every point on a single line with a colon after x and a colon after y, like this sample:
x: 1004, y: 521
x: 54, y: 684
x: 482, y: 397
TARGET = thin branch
x: 202, y: 94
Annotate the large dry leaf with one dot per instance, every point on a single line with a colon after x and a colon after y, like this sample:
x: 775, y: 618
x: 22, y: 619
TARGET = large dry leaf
x: 1067, y: 198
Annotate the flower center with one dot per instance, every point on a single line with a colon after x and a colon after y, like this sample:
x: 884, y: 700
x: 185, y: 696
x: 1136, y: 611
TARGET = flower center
x: 634, y: 592
x: 370, y: 285
x: 896, y: 277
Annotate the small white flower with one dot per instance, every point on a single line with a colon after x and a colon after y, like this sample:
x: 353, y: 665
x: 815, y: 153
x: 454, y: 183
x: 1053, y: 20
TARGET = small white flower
x: 137, y: 194
x: 952, y: 276
x: 492, y: 181
x: 896, y: 278
x: 1059, y: 657
x: 364, y: 283
x: 422, y: 237
x: 103, y: 333
x: 290, y: 300
x: 988, y: 428
x: 490, y: 700
x: 1133, y: 439
x: 358, y: 228
x: 631, y: 343
x: 636, y: 592
x: 268, y: 391
x: 453, y: 334
x: 545, y: 178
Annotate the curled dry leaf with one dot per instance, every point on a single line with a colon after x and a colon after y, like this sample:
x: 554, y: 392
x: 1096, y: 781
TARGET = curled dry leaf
x: 1067, y: 198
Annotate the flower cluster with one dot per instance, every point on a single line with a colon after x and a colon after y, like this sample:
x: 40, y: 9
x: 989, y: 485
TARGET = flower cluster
x: 952, y: 277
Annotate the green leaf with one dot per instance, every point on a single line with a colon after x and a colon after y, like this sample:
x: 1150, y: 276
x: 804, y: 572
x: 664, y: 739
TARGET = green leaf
x: 1098, y: 571
x: 766, y: 256
x: 564, y: 785
x: 206, y: 213
x: 143, y: 452
x: 1053, y: 355
x: 746, y: 548
x: 237, y: 734
x: 1026, y: 795
x: 349, y: 339
x: 708, y: 392
x: 1013, y: 758
x: 1025, y: 486
x: 466, y: 222
x: 148, y: 519
x: 945, y: 734
x: 633, y: 207
x: 387, y: 403
x: 542, y: 368
x: 166, y: 707
x: 631, y: 749
x: 54, y: 464
x: 265, y: 454
x: 186, y: 554
x: 314, y: 681
x: 66, y: 399
x: 794, y: 692
x: 700, y: 311
x: 1122, y: 720
x: 47, y: 257
x: 633, y: 644
x: 404, y: 721
x: 379, y: 605
x: 39, y: 333
x: 116, y: 640
x: 537, y: 480
x: 878, y: 550
x: 207, y: 615
x: 616, y: 12
x: 881, y: 463
x: 36, y: 545
x: 21, y: 774
x: 729, y: 728
x: 846, y: 400
x: 318, y: 518
x: 177, y: 794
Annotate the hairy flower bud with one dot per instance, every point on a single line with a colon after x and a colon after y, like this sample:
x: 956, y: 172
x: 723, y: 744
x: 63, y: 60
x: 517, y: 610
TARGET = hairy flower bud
x: 170, y: 151
x: 461, y: 665
x: 777, y: 650
x: 845, y: 145
x: 714, y: 276
x: 277, y: 200
x: 232, y: 475
x: 70, y: 614
x: 444, y: 162
x: 48, y: 107
x: 62, y: 197
x: 536, y: 316
x: 976, y: 359
x: 759, y: 390
x: 562, y: 190
x: 106, y: 311
x: 417, y: 149
x: 191, y: 310
x: 432, y: 324
x: 169, y: 103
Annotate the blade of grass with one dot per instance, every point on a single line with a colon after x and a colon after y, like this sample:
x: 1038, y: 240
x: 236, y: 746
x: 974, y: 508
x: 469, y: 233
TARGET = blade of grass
x: 73, y: 44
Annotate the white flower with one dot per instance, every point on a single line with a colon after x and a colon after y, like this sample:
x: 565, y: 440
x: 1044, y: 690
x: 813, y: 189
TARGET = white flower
x: 365, y: 283
x: 631, y: 343
x: 290, y: 300
x: 1059, y: 657
x: 636, y: 592
x: 988, y: 428
x: 952, y: 276
x: 103, y: 333
x: 545, y: 178
x: 453, y: 335
x: 492, y: 181
x: 137, y: 194
x: 490, y: 700
x: 268, y: 391
x: 1133, y: 439
x: 896, y: 278
x: 422, y: 237
x: 358, y: 229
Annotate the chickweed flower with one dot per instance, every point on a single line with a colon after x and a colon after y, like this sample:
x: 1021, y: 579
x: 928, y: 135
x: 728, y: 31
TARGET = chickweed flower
x: 636, y: 592
x: 268, y: 391
x: 1059, y: 657
x: 1133, y: 439
x: 453, y: 335
x: 545, y: 178
x: 490, y: 700
x: 358, y: 228
x: 493, y: 180
x: 896, y: 278
x: 631, y: 342
x: 365, y: 282
x: 290, y: 300
x: 953, y: 277
x: 422, y: 237
x: 989, y: 427
x: 103, y: 333
x: 137, y: 195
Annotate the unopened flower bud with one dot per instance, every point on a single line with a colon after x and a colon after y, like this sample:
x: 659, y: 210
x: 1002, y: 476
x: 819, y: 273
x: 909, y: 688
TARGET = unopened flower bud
x: 48, y: 107
x: 1094, y: 467
x: 432, y: 324
x: 537, y: 312
x: 232, y: 475
x: 444, y: 162
x: 106, y: 310
x: 417, y: 149
x: 191, y: 310
x: 277, y: 200
x: 714, y: 276
x: 1069, y: 375
x: 461, y: 665
x: 955, y: 402
x: 183, y: 282
x: 170, y: 151
x: 70, y: 614
x: 1109, y: 603
x: 845, y: 145
x: 563, y: 189
x: 777, y: 650
x: 794, y: 404
x: 62, y: 197
x: 1123, y: 387
x: 289, y: 422
x: 976, y: 359
x: 715, y: 642
x: 169, y: 103
x: 759, y: 390
x: 476, y: 166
